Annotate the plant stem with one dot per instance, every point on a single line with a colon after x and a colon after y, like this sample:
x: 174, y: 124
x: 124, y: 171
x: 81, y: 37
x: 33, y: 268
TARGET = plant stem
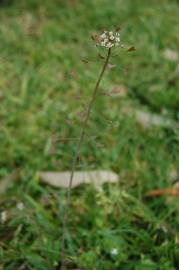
x: 76, y: 156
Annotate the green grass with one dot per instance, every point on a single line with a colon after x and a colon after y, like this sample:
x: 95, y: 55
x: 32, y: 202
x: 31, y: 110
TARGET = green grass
x: 41, y: 47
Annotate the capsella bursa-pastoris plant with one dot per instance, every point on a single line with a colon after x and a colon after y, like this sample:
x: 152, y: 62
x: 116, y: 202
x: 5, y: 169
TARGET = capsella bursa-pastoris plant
x: 108, y: 40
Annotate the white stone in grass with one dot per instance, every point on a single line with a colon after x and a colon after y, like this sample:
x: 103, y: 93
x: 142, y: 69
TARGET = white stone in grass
x: 62, y: 179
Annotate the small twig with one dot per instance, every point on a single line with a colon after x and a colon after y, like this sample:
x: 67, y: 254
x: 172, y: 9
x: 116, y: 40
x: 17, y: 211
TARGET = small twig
x: 76, y: 157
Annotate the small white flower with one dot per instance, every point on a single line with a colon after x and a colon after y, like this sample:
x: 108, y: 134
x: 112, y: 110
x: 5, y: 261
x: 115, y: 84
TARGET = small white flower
x: 3, y: 216
x: 103, y: 44
x: 112, y: 38
x: 114, y: 251
x: 20, y: 206
x: 103, y: 35
x: 109, y: 45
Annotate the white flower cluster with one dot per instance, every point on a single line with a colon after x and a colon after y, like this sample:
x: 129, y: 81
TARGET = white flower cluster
x: 109, y: 39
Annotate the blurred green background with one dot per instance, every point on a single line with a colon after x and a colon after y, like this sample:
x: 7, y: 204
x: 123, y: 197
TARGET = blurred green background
x: 48, y: 68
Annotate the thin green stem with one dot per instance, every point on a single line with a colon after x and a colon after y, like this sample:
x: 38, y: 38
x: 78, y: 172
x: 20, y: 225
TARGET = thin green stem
x: 76, y: 156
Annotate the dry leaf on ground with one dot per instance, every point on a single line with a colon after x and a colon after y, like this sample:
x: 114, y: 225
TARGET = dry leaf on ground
x: 172, y: 191
x: 165, y: 191
x: 61, y: 179
x: 170, y: 54
x: 148, y: 119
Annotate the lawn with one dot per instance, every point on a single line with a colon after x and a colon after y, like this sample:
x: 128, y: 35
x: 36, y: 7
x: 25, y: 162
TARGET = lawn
x: 48, y: 68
